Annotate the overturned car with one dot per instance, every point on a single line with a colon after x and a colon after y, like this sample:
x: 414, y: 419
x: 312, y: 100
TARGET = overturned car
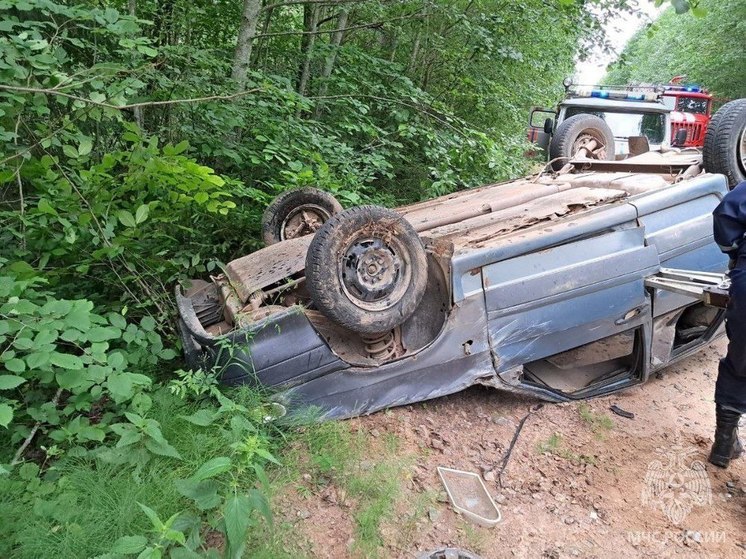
x: 536, y: 286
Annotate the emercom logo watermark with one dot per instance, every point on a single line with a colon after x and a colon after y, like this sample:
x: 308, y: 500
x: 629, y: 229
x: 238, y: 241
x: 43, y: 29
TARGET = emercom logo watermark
x: 676, y: 483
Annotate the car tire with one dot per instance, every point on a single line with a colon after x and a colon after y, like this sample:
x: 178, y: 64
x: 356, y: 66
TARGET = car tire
x: 575, y: 131
x: 725, y: 142
x: 297, y: 213
x: 366, y: 269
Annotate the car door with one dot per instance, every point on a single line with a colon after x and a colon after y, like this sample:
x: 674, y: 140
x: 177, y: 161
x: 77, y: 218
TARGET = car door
x: 678, y: 224
x: 568, y: 311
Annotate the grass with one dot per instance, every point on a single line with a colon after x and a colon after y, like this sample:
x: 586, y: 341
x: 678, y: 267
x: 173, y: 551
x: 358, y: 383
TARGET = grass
x: 600, y: 423
x: 335, y: 454
x: 86, y: 504
x: 81, y: 506
x: 555, y: 445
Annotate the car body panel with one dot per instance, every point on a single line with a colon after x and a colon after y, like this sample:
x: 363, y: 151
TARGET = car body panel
x: 521, y: 296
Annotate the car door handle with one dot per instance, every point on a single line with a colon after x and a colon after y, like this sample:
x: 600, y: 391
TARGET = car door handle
x: 629, y: 316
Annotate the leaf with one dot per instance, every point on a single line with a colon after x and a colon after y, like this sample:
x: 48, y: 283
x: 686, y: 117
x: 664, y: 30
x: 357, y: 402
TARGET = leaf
x: 15, y: 365
x: 236, y: 514
x: 103, y: 333
x: 45, y: 207
x: 142, y: 213
x: 70, y: 151
x: 203, y: 418
x: 203, y: 493
x: 153, y: 516
x: 212, y: 468
x: 147, y: 323
x: 150, y: 553
x: 266, y: 455
x: 6, y: 415
x: 86, y: 144
x: 162, y: 448
x: 126, y: 218
x: 8, y: 382
x: 129, y: 544
x: 260, y: 503
x: 201, y: 197
x: 65, y: 360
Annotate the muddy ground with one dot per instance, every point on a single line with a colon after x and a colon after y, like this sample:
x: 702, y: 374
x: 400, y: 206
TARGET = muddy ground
x: 580, y: 482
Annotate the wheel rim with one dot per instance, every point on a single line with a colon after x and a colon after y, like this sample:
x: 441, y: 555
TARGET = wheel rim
x: 303, y: 220
x: 374, y: 272
x: 742, y: 151
x: 583, y: 142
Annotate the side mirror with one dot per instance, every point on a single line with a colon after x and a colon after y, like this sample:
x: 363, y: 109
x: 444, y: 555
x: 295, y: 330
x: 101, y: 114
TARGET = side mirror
x: 680, y: 138
x: 548, y: 126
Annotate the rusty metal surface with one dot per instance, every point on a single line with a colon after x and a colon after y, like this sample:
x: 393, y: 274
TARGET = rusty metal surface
x: 267, y: 265
x: 450, y: 210
x: 487, y: 229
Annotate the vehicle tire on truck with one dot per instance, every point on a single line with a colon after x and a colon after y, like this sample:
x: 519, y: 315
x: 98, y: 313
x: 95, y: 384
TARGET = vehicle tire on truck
x: 725, y: 142
x: 366, y: 269
x: 582, y: 135
x: 297, y: 213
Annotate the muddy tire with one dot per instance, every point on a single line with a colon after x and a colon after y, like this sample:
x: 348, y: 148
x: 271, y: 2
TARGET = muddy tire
x: 725, y: 142
x: 366, y: 269
x: 297, y: 213
x: 576, y: 132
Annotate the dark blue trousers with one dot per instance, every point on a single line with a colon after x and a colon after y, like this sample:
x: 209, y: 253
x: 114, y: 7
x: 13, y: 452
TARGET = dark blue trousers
x: 730, y: 388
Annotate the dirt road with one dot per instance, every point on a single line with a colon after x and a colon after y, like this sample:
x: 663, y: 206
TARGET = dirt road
x: 580, y: 481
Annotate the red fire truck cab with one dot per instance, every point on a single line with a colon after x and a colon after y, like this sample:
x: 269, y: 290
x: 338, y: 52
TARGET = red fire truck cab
x: 691, y: 108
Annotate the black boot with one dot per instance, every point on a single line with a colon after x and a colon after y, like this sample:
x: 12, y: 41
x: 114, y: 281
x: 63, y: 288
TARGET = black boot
x: 726, y: 446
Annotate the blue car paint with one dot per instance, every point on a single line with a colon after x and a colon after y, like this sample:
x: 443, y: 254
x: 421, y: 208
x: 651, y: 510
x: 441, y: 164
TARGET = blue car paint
x: 541, y: 291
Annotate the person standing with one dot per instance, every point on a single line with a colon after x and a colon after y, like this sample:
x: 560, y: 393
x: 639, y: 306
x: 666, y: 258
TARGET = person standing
x: 730, y: 387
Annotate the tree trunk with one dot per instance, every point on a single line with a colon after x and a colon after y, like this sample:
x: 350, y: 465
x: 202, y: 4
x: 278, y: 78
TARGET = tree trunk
x: 139, y: 120
x: 261, y: 47
x: 310, y: 25
x: 246, y: 33
x: 336, y: 41
x: 415, y: 52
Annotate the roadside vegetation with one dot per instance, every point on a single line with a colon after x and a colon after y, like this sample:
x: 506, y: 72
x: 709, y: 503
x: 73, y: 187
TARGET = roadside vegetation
x: 140, y: 142
x: 698, y: 44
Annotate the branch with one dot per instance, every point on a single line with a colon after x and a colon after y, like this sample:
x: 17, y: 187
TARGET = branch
x: 299, y: 2
x: 330, y: 31
x: 423, y: 108
x: 132, y: 105
x: 34, y: 430
x: 518, y: 430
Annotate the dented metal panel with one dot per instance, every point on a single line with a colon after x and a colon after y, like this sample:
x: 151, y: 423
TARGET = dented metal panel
x: 679, y: 226
x: 557, y: 299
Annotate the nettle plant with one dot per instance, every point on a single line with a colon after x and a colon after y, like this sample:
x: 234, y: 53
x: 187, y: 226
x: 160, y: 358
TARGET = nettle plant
x: 66, y: 372
x: 225, y: 495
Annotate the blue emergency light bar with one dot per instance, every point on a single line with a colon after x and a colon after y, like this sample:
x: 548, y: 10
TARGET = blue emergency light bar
x: 621, y: 95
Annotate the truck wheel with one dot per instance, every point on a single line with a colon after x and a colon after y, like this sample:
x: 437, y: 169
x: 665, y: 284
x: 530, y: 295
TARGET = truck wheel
x: 725, y: 142
x: 297, y: 213
x: 581, y: 136
x: 366, y: 269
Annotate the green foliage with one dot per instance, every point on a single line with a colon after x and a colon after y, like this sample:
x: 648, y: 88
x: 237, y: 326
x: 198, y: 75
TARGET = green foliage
x: 90, y: 507
x: 53, y: 346
x: 702, y: 44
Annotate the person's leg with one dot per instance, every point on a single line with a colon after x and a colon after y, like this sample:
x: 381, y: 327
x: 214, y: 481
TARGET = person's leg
x: 730, y: 388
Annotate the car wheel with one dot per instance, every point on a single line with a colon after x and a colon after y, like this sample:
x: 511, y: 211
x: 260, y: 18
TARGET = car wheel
x: 366, y: 269
x: 297, y: 213
x: 725, y: 142
x: 581, y: 136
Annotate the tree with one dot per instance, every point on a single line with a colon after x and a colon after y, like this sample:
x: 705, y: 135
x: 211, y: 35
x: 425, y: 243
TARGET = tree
x: 706, y: 46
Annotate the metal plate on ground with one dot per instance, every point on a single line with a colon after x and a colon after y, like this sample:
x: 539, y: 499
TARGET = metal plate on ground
x: 469, y: 496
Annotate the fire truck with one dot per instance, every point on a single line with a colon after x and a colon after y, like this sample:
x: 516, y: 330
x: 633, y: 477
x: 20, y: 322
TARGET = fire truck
x: 691, y: 109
